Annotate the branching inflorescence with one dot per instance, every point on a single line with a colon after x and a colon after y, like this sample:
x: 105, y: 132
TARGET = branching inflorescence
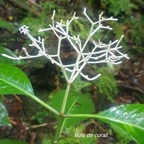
x: 100, y: 53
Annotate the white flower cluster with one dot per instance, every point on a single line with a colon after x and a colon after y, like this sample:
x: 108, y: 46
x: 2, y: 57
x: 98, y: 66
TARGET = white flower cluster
x: 100, y: 53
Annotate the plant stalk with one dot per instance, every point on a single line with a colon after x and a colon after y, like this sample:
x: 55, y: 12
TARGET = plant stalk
x: 65, y: 98
x: 83, y: 116
x: 59, y: 129
x: 61, y: 117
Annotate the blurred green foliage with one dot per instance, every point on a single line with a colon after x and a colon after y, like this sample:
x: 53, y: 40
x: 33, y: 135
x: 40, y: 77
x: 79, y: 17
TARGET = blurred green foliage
x: 8, y: 141
x: 118, y: 7
x: 107, y: 84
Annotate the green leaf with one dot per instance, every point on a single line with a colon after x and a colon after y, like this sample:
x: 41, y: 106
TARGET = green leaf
x: 76, y: 104
x: 3, y: 116
x: 128, y: 118
x: 3, y: 59
x: 8, y: 141
x: 14, y: 81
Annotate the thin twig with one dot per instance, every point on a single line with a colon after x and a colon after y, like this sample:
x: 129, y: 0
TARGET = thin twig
x: 41, y: 125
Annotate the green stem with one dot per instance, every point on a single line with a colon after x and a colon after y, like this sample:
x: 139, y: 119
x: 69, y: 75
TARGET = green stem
x: 83, y: 116
x: 61, y: 120
x: 44, y: 104
x: 65, y: 98
x: 61, y: 117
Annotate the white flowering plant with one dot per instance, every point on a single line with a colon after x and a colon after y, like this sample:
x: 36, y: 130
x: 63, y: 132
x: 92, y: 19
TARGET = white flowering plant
x: 99, y: 53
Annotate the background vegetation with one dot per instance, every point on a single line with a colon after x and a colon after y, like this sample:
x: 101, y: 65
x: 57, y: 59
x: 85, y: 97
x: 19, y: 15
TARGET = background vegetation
x: 122, y: 84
